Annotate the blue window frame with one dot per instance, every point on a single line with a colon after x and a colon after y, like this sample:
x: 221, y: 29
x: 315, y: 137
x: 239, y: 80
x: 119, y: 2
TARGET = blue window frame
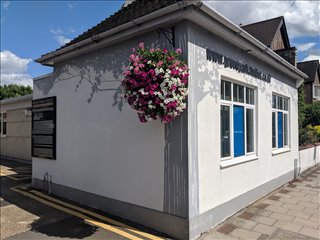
x: 237, y: 120
x: 280, y: 121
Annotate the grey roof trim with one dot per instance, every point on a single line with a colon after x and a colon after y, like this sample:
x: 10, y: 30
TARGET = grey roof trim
x: 42, y: 76
x: 195, y: 4
x: 16, y: 99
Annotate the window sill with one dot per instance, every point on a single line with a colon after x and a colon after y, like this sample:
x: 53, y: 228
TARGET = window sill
x: 280, y: 150
x: 236, y: 161
x: 3, y: 136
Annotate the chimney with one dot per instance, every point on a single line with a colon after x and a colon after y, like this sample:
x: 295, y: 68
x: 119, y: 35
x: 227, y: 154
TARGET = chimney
x: 288, y: 54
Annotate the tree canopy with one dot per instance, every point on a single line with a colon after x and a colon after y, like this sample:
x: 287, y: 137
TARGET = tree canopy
x: 14, y: 90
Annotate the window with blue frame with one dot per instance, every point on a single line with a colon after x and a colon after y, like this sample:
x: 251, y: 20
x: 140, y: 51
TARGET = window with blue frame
x: 237, y: 120
x: 280, y: 121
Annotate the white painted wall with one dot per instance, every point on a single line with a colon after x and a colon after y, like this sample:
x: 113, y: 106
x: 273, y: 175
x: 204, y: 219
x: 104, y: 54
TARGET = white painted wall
x: 17, y: 142
x: 309, y: 157
x: 101, y: 149
x: 218, y: 185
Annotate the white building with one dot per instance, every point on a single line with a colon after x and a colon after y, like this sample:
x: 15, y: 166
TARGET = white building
x: 15, y: 128
x: 237, y: 140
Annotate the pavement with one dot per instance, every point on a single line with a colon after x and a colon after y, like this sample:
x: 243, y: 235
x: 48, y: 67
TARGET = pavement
x: 290, y: 212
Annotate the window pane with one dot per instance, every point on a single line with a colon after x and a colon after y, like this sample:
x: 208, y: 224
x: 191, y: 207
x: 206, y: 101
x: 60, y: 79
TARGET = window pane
x: 274, y: 101
x: 4, y: 130
x: 249, y: 96
x: 235, y: 92
x: 238, y: 130
x: 250, y: 130
x: 222, y: 89
x: 285, y: 104
x: 225, y: 131
x: 227, y: 91
x: 285, y: 129
x: 280, y: 103
x: 241, y: 94
x: 274, y: 141
x: 280, y: 129
x: 316, y: 91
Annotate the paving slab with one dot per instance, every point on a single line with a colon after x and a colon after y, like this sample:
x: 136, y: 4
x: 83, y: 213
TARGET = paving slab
x: 288, y: 213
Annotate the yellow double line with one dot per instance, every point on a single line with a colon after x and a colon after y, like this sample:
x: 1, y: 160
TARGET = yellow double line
x: 40, y: 197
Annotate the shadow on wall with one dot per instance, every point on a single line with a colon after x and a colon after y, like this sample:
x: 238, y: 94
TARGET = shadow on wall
x: 207, y: 80
x: 101, y: 69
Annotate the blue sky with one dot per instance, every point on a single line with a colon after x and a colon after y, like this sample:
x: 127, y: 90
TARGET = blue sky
x: 32, y: 28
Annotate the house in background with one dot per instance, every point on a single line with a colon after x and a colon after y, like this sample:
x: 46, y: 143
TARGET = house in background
x: 273, y: 33
x: 236, y: 141
x: 15, y: 128
x: 312, y: 83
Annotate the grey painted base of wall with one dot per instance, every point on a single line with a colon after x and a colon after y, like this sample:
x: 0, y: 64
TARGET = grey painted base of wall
x: 171, y: 225
x: 158, y: 221
x: 24, y: 161
x: 203, y: 222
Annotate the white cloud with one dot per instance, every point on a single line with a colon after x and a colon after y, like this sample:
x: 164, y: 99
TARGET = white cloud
x: 60, y: 34
x: 305, y: 47
x: 16, y: 78
x: 62, y: 40
x: 5, y: 4
x: 56, y: 31
x: 311, y: 57
x: 14, y: 69
x: 301, y: 17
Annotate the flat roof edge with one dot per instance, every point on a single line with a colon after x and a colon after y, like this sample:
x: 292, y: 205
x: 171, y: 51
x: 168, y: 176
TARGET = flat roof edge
x: 16, y: 99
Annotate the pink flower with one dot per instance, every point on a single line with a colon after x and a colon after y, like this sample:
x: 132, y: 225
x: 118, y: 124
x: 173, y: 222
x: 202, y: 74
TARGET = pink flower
x: 166, y: 119
x: 174, y: 72
x: 159, y: 64
x: 133, y: 49
x: 132, y: 57
x: 179, y: 50
x: 142, y: 77
x: 141, y: 45
x: 142, y: 118
x: 152, y: 72
x: 136, y: 70
x: 126, y: 73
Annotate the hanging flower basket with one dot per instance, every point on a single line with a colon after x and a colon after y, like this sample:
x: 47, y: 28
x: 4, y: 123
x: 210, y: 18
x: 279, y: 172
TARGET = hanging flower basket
x: 155, y: 83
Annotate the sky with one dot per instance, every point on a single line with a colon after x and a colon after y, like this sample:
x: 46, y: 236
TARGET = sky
x: 30, y: 29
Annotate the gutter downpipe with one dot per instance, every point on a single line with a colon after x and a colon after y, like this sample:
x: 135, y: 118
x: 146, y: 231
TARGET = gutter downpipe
x: 134, y: 23
x: 239, y: 31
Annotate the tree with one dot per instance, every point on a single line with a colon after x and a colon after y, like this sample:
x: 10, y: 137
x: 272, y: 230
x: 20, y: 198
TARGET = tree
x: 312, y: 114
x: 14, y: 90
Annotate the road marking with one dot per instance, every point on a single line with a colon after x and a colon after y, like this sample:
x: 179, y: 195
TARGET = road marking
x: 18, y: 179
x: 96, y: 215
x: 74, y: 213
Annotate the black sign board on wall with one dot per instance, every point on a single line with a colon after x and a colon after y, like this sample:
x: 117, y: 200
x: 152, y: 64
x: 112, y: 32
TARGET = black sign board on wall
x: 44, y: 128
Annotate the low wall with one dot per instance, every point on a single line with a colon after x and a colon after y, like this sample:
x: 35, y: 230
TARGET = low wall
x: 309, y: 156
